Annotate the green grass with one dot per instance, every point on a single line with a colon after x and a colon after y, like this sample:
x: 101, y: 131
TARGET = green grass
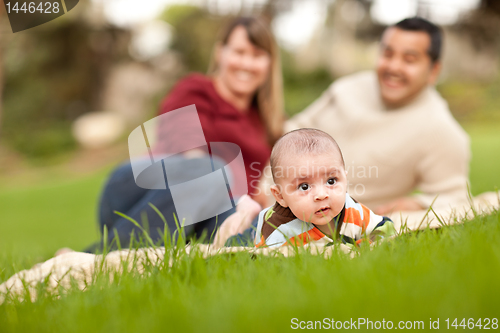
x: 452, y: 273
x: 36, y: 221
x: 485, y: 162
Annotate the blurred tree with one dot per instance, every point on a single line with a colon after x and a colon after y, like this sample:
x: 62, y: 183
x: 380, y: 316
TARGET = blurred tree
x: 272, y: 8
x: 195, y: 32
x: 53, y: 74
x: 353, y: 17
x: 3, y: 28
x: 491, y: 5
x: 1, y: 87
x: 481, y: 26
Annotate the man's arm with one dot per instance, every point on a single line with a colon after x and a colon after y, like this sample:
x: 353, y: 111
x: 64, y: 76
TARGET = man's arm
x: 400, y: 204
x: 443, y: 170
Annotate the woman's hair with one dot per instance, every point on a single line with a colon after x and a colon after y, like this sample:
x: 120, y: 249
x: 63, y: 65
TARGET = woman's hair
x: 269, y: 97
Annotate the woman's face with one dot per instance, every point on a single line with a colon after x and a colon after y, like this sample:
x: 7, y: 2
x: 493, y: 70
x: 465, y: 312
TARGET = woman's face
x: 243, y: 67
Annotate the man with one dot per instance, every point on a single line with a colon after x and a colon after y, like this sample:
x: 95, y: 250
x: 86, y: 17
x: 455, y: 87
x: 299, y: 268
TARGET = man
x: 396, y: 132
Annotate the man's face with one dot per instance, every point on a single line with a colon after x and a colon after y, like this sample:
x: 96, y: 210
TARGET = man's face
x: 404, y: 67
x: 313, y: 187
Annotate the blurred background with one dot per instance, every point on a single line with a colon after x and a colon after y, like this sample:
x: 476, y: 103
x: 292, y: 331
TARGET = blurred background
x: 71, y: 90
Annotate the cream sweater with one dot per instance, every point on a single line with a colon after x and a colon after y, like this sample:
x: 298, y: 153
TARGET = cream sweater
x: 392, y: 153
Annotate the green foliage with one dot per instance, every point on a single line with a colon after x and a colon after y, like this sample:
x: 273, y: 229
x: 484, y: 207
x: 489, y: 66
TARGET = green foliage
x: 53, y: 74
x: 175, y: 14
x: 195, y: 34
x: 301, y: 88
x: 472, y: 101
x: 39, y: 142
x: 36, y: 220
x: 485, y: 161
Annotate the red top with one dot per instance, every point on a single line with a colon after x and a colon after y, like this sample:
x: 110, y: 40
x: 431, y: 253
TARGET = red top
x: 222, y: 122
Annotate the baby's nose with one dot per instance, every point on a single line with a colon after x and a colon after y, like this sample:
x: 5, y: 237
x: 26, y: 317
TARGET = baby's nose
x: 320, y: 194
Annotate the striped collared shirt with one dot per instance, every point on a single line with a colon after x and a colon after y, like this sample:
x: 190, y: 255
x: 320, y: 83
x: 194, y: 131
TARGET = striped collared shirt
x: 278, y: 226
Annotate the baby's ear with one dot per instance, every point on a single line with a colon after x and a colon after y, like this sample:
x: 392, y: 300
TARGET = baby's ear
x: 277, y: 194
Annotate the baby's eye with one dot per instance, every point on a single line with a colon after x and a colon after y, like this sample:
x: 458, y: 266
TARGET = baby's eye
x: 304, y: 187
x: 331, y: 181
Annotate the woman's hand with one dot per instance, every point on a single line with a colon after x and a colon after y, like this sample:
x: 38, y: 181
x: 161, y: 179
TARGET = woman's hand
x: 194, y: 153
x: 246, y: 210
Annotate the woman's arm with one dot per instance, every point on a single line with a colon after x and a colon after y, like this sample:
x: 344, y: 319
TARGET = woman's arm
x: 246, y: 210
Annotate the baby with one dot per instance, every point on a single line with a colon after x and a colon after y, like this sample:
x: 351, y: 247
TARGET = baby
x: 312, y: 203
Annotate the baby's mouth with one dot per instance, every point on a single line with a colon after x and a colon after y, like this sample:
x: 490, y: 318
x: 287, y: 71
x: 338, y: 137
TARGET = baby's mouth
x: 323, y: 211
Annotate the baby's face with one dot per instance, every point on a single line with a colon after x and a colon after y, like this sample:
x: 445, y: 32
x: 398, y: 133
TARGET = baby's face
x: 312, y: 186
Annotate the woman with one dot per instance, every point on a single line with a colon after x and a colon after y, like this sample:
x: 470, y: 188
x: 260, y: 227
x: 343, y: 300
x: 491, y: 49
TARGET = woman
x: 240, y: 102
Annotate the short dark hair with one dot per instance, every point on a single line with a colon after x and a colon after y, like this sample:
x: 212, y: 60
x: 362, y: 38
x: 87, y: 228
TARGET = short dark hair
x: 434, y: 32
x: 302, y: 141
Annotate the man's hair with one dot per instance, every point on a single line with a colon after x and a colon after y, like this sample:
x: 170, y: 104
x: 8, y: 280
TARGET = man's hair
x: 434, y: 32
x: 302, y: 141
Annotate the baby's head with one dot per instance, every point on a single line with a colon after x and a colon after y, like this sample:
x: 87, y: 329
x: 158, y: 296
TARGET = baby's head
x: 309, y: 174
